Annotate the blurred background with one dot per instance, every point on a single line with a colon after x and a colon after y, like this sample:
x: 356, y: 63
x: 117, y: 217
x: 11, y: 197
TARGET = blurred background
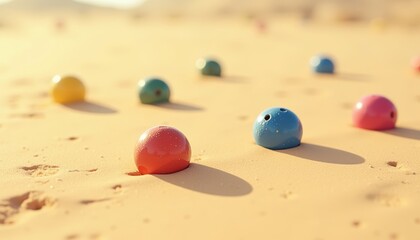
x: 406, y: 12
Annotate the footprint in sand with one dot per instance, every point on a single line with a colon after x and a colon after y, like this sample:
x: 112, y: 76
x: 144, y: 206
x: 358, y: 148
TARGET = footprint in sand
x: 117, y: 188
x: 385, y: 199
x: 12, y: 208
x: 41, y: 170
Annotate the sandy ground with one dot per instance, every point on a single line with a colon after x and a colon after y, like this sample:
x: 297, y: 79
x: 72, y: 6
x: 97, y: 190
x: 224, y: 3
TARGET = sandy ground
x: 67, y: 171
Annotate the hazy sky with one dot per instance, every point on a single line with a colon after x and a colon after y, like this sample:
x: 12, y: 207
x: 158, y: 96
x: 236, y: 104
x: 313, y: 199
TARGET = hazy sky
x: 113, y: 3
x: 107, y: 3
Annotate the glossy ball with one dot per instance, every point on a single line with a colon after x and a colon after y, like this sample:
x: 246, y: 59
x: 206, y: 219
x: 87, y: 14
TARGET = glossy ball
x: 374, y: 112
x: 209, y: 67
x: 153, y: 91
x: 415, y: 64
x: 322, y: 64
x: 67, y: 89
x: 277, y: 128
x: 162, y: 150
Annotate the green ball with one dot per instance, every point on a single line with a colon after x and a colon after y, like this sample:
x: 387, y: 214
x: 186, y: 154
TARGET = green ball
x: 209, y: 67
x: 153, y: 90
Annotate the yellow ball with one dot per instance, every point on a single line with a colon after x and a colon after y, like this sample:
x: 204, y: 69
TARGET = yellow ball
x: 67, y: 89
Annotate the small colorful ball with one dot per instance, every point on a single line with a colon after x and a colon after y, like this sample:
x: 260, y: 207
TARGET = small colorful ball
x: 277, y: 128
x: 374, y: 112
x: 153, y: 91
x: 415, y: 63
x: 209, y: 67
x: 322, y: 64
x: 67, y: 89
x: 162, y: 150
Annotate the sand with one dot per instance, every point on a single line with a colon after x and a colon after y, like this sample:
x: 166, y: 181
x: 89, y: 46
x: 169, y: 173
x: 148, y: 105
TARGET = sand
x: 68, y: 170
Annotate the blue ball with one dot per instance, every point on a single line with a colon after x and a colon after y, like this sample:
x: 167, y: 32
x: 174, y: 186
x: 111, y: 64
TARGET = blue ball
x: 277, y: 128
x: 322, y: 64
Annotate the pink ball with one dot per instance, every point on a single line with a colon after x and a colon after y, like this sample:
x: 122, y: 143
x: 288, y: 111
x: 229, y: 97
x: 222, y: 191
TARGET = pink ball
x: 374, y: 112
x: 415, y: 63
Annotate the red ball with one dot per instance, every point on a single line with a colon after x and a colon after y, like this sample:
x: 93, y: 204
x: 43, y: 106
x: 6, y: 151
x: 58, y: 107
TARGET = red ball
x: 162, y: 150
x: 415, y: 63
x: 375, y: 112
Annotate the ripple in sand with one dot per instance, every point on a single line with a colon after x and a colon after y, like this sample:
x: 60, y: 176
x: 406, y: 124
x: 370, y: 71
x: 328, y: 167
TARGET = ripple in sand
x: 12, y: 208
x: 41, y: 170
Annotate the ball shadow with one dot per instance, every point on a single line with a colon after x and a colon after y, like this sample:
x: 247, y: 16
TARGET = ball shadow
x: 323, y: 154
x: 404, y: 132
x: 344, y: 76
x: 227, y: 79
x: 90, y: 107
x: 179, y: 106
x: 353, y: 76
x: 204, y: 179
x: 234, y: 79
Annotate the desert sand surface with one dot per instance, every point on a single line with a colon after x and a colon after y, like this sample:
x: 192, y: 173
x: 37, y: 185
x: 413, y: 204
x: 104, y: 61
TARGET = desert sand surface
x: 68, y: 171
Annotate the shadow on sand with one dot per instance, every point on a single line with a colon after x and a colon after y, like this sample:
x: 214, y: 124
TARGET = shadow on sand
x: 179, y: 106
x: 404, y: 132
x: 90, y: 107
x: 323, y: 154
x: 204, y: 179
x: 345, y: 76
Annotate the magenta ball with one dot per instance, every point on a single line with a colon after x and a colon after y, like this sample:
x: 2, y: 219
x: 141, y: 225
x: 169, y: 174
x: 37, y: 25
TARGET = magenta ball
x: 374, y: 112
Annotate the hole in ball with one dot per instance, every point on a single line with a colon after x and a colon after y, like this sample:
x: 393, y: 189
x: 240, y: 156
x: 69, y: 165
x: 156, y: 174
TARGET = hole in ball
x: 283, y: 110
x: 158, y: 92
x: 392, y: 114
x: 267, y: 117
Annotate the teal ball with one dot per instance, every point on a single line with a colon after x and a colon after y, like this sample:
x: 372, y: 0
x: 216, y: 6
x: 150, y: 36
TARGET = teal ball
x: 209, y: 67
x: 153, y: 91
